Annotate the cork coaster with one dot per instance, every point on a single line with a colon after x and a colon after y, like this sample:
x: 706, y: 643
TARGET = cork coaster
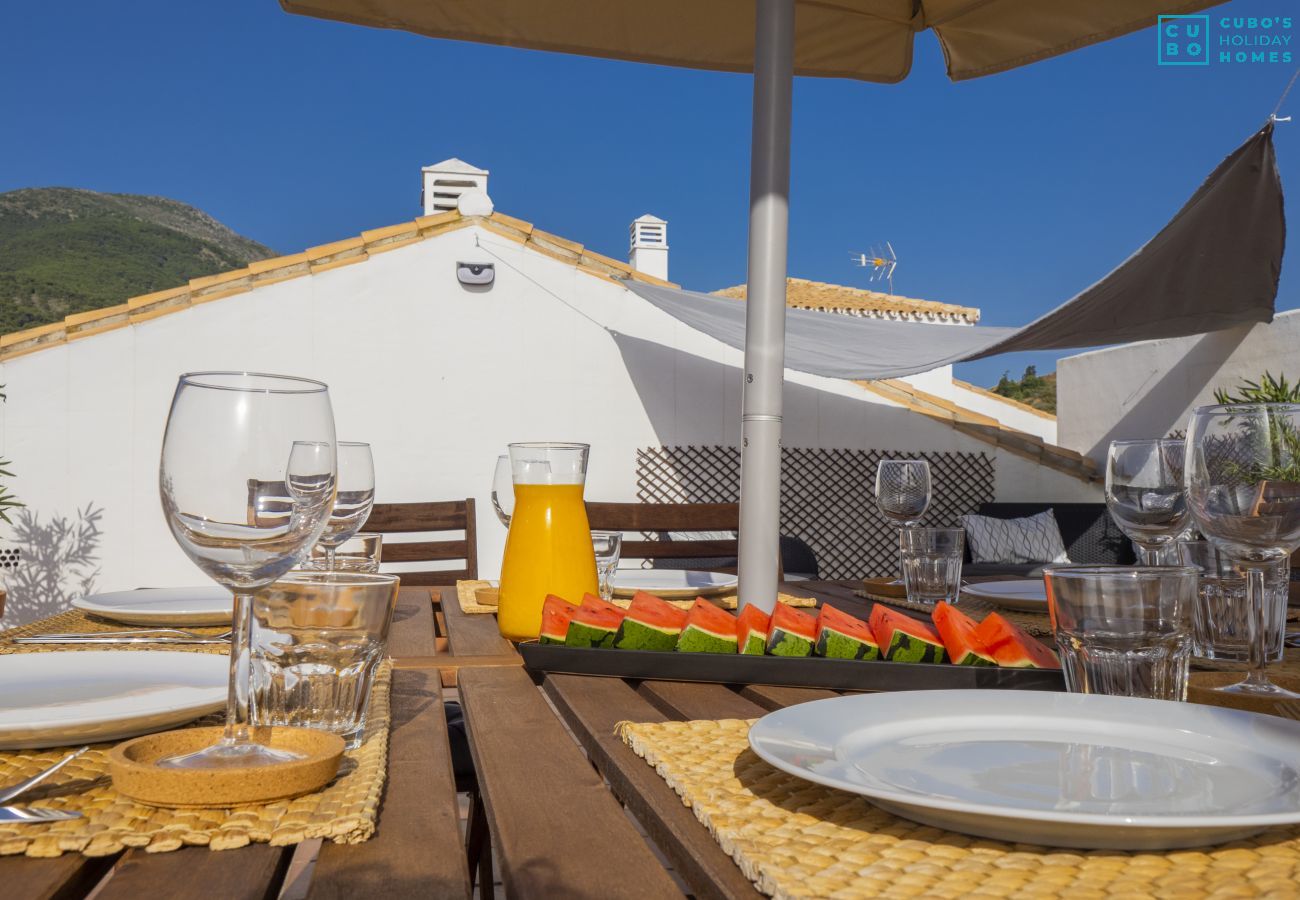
x: 793, y: 838
x: 468, y: 594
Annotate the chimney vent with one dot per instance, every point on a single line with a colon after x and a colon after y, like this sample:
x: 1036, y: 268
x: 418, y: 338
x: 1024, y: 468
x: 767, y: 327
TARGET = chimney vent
x: 444, y: 182
x: 649, y: 251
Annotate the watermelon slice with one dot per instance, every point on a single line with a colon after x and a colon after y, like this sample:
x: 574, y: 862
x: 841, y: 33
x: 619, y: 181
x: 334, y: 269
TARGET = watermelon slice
x: 594, y: 623
x: 903, y: 638
x: 792, y: 633
x: 751, y: 630
x: 708, y: 629
x: 556, y: 613
x: 1009, y: 645
x: 842, y: 636
x: 650, y: 624
x: 958, y: 633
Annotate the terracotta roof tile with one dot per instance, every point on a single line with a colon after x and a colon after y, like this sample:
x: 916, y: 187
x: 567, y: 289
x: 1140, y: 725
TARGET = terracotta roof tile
x: 801, y: 293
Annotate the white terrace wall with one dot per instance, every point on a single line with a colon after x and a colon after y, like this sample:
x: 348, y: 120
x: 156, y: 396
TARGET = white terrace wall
x: 436, y: 376
x: 1148, y: 389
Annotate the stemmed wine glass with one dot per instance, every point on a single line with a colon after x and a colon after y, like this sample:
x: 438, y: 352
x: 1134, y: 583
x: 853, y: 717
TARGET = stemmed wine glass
x: 1243, y: 483
x: 229, y: 436
x: 903, y: 491
x: 1146, y: 495
x: 503, y: 490
x: 356, y: 497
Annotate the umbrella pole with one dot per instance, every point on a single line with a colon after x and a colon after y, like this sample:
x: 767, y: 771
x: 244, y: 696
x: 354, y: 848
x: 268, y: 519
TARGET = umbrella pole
x: 769, y: 213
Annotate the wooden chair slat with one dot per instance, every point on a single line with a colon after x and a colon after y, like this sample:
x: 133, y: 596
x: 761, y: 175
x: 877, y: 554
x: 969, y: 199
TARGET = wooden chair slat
x: 440, y: 578
x: 254, y: 872
x: 416, y: 850
x: 423, y: 551
x: 664, y: 516
x: 391, y: 518
x: 592, y: 707
x: 676, y: 549
x: 539, y: 791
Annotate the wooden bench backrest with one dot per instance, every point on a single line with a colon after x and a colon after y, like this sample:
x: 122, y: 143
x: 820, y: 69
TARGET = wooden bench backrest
x: 409, y: 518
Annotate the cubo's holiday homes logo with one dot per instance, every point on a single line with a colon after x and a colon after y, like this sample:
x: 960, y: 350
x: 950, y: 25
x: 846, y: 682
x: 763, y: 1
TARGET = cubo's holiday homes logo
x: 1225, y: 40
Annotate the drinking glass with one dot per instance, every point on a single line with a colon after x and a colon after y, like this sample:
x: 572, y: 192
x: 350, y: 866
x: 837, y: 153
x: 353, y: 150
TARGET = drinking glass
x: 318, y: 638
x: 503, y: 490
x: 1145, y: 494
x: 1243, y: 481
x: 1221, y: 618
x: 363, y: 552
x: 356, y: 497
x: 607, y: 545
x: 548, y: 546
x: 247, y: 479
x: 903, y: 490
x: 932, y: 563
x: 1121, y: 630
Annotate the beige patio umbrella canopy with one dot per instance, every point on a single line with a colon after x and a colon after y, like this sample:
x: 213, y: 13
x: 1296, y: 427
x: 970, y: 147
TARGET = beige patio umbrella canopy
x: 867, y: 40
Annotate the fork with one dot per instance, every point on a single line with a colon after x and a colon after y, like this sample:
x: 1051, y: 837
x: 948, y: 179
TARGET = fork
x: 35, y: 815
x: 138, y: 636
x: 14, y: 791
x: 1288, y: 709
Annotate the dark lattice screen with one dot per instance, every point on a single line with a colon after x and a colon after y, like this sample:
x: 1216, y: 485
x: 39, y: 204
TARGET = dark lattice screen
x: 827, y: 496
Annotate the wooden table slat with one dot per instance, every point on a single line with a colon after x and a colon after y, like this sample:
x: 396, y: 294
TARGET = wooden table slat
x: 68, y: 876
x: 772, y: 697
x: 475, y: 635
x: 254, y: 872
x: 412, y: 631
x: 416, y: 849
x: 593, y: 707
x: 543, y: 799
x: 692, y: 700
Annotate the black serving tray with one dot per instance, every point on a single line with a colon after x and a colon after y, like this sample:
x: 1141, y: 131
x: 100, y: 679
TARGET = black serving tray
x: 815, y: 672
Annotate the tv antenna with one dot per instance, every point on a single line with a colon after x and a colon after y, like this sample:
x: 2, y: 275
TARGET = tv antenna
x: 881, y: 262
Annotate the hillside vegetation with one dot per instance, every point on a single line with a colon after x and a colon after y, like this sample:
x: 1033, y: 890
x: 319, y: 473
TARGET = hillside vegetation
x: 65, y: 250
x: 1038, y: 391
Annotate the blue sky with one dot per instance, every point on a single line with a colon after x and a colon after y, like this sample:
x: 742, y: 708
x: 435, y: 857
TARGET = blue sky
x: 1010, y: 193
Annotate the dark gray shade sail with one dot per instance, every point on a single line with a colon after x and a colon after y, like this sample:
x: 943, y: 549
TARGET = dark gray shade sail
x: 1215, y: 265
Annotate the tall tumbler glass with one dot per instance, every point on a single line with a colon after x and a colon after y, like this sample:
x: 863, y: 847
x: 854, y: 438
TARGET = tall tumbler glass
x: 548, y: 546
x: 1125, y: 631
x: 903, y: 491
x: 1221, y: 620
x: 932, y: 564
x: 1145, y: 494
x: 247, y: 479
x: 1243, y: 481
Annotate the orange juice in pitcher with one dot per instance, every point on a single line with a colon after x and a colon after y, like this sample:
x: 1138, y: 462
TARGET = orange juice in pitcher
x: 548, y: 547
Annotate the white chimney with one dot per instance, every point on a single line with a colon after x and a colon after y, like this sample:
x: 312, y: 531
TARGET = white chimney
x: 649, y: 252
x: 444, y: 182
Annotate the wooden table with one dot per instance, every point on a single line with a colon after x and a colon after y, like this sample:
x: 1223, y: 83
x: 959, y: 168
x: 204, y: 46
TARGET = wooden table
x: 555, y: 806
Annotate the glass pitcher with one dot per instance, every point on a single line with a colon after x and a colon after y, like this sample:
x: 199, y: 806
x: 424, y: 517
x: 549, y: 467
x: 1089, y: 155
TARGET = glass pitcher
x: 548, y: 547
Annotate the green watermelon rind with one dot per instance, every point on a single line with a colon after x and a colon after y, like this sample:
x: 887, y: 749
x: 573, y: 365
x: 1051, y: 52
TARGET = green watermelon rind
x: 904, y: 647
x: 786, y: 643
x: 583, y: 635
x: 973, y: 658
x: 695, y: 639
x: 634, y: 634
x: 755, y: 644
x: 552, y: 639
x: 834, y: 644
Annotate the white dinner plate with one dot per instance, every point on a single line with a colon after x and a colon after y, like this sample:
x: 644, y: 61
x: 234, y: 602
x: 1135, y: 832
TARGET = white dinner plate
x: 86, y: 696
x: 208, y: 605
x: 672, y: 583
x: 1039, y: 767
x: 1029, y: 595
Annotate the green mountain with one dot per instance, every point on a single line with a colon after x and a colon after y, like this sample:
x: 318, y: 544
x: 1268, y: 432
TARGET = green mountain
x: 65, y: 250
x: 1038, y: 391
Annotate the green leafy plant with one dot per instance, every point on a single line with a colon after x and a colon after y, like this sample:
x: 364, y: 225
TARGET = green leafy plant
x: 1267, y: 390
x: 1283, y: 439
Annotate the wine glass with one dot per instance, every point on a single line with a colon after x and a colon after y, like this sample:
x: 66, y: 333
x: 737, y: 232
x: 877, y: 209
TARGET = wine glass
x: 247, y: 478
x: 903, y: 491
x: 1243, y: 484
x: 503, y: 490
x: 355, y: 499
x: 1145, y: 494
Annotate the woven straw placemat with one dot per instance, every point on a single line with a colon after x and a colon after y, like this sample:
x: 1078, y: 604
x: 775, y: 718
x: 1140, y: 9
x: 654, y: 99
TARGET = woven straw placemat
x: 343, y: 812
x: 793, y: 838
x: 467, y: 596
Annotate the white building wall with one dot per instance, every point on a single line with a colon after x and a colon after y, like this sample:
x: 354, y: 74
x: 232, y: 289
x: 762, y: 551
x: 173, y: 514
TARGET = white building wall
x: 1006, y: 413
x: 1148, y: 389
x: 437, y: 377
